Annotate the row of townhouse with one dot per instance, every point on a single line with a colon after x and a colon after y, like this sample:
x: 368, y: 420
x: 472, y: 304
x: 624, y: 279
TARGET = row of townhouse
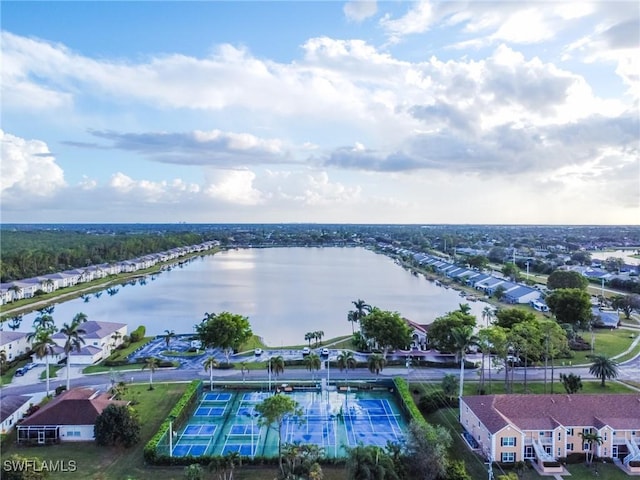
x: 514, y: 293
x: 547, y: 428
x: 27, y: 288
x: 100, y: 339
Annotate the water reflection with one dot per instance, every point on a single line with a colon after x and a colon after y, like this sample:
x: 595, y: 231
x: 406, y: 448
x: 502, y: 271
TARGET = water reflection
x: 285, y: 292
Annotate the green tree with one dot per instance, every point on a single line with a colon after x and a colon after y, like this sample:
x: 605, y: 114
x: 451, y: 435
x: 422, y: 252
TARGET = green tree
x: 313, y: 363
x: 370, y: 463
x: 117, y: 425
x: 386, y: 329
x: 426, y: 451
x: 508, y: 317
x: 526, y: 338
x: 572, y: 383
x: 567, y: 279
x: 626, y: 303
x: 17, y: 467
x: 308, y: 337
x: 554, y: 344
x: 487, y: 315
x: 150, y: 363
x: 463, y: 338
x: 591, y: 439
x: 44, y: 322
x: 604, y: 368
x: 456, y: 470
x: 346, y: 360
x: 42, y: 346
x: 194, y: 472
x: 318, y: 334
x: 224, y: 330
x: 376, y: 363
x: 478, y: 261
x: 168, y: 336
x: 511, y: 271
x: 450, y: 385
x: 209, y: 365
x: 273, y: 411
x: 362, y: 309
x: 440, y: 332
x: 73, y: 340
x: 499, y: 292
x: 570, y: 305
x: 276, y: 364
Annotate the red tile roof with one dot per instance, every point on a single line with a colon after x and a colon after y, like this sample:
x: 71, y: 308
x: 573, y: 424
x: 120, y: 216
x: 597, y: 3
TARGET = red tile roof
x: 546, y: 412
x: 78, y: 406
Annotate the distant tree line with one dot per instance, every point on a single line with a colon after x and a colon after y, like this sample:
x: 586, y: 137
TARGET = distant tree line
x: 28, y: 254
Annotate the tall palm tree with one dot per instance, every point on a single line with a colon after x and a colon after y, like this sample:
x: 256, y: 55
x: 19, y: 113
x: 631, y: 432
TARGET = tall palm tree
x: 352, y: 317
x: 603, y: 368
x: 464, y: 308
x: 487, y: 315
x: 209, y: 364
x: 463, y: 338
x: 362, y: 308
x: 318, y: 335
x: 308, y: 337
x: 346, y: 360
x: 376, y: 363
x: 313, y: 363
x: 168, y: 336
x: 74, y: 340
x: 591, y: 439
x: 42, y: 346
x: 277, y: 365
x: 152, y: 364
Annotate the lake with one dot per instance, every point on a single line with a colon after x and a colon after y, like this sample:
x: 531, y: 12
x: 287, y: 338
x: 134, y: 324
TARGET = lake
x: 285, y: 292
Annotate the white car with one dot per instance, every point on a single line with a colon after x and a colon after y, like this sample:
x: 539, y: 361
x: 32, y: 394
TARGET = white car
x: 306, y: 351
x: 258, y: 351
x: 325, y: 352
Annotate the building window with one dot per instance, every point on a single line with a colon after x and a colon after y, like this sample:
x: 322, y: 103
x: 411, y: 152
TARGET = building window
x: 570, y: 431
x: 585, y: 447
x: 604, y: 436
x: 569, y: 447
x: 508, y: 441
x: 559, y: 436
x: 508, y: 457
x: 528, y: 452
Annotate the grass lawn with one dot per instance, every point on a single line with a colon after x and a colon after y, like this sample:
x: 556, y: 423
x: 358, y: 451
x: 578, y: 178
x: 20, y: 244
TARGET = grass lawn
x: 6, y: 378
x: 589, y: 387
x: 597, y: 470
x: 114, y: 463
x: 606, y: 342
x: 53, y: 372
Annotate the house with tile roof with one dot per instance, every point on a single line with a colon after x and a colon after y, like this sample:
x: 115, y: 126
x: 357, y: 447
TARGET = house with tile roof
x: 547, y: 428
x: 69, y: 417
x: 14, y: 344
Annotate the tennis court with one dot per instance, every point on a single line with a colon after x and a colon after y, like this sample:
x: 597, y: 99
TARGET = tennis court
x: 224, y: 422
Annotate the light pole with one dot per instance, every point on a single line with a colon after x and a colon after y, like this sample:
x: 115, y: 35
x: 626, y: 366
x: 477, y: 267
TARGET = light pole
x: 252, y: 414
x: 269, y: 368
x: 171, y: 436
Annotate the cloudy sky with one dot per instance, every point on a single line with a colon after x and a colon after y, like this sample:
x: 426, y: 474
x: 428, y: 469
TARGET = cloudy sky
x: 356, y: 112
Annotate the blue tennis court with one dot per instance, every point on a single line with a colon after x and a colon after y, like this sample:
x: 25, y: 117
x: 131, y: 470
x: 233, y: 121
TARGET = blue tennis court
x: 185, y: 450
x: 246, y: 450
x: 210, y: 411
x: 216, y: 397
x: 243, y: 429
x: 203, y: 430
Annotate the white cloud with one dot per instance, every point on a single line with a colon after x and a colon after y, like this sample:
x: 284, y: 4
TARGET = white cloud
x: 417, y: 20
x: 234, y: 187
x: 28, y: 169
x: 359, y: 10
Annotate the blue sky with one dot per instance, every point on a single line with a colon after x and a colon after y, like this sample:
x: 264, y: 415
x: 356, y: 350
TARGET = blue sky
x: 354, y: 112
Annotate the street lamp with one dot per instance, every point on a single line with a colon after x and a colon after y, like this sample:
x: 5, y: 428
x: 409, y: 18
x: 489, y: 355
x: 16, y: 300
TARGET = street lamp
x: 171, y: 419
x: 269, y: 369
x: 252, y: 414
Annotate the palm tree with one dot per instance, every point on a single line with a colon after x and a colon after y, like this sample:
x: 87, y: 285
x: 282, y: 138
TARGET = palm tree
x: 313, y: 363
x: 376, y: 363
x: 464, y: 308
x: 352, y: 317
x: 209, y: 364
x: 346, y: 360
x: 42, y: 346
x: 463, y: 338
x: 318, y: 335
x: 152, y: 364
x: 169, y: 335
x: 277, y: 365
x: 487, y: 315
x: 590, y: 439
x: 362, y: 308
x: 603, y: 368
x: 3, y: 359
x: 74, y: 340
x: 308, y: 337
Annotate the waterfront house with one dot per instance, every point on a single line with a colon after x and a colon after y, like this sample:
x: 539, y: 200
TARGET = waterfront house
x: 101, y: 338
x: 70, y: 417
x: 14, y: 344
x: 547, y: 428
x: 522, y: 294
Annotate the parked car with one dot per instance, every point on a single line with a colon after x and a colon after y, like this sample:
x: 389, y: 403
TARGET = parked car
x: 30, y: 366
x: 258, y: 351
x: 21, y: 371
x: 325, y: 352
x: 306, y: 351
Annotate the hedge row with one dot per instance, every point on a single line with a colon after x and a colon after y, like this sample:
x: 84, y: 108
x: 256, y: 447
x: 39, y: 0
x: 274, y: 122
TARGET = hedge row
x: 402, y: 387
x: 180, y: 411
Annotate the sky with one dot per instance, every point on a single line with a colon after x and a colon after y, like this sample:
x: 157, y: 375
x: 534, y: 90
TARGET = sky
x: 510, y: 112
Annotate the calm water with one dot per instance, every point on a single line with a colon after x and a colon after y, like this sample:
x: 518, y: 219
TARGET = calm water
x: 285, y: 292
x: 623, y: 254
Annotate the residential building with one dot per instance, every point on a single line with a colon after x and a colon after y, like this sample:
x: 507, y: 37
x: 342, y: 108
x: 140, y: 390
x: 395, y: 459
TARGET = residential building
x: 546, y: 428
x: 14, y: 344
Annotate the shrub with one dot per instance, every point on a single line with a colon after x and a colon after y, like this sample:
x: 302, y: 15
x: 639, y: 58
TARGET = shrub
x: 407, y: 400
x: 138, y: 334
x: 60, y: 389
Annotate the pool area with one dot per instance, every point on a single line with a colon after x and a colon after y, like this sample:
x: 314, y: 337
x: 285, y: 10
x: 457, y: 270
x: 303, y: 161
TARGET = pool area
x: 226, y: 421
